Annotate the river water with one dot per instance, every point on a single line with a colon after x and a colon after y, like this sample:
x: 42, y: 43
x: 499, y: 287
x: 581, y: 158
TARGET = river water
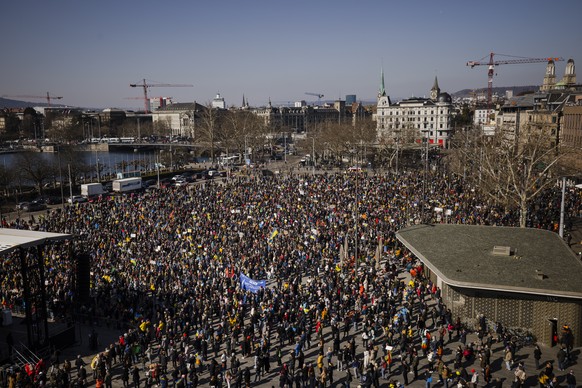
x: 110, y: 163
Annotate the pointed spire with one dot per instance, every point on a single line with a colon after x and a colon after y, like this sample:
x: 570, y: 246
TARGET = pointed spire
x: 382, y: 91
x: 243, y: 101
x: 435, y: 91
x: 435, y: 86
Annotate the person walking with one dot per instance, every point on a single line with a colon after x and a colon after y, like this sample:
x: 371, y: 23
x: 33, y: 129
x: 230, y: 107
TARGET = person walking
x: 427, y: 379
x: 537, y: 355
x: 561, y: 357
x: 508, y: 358
x: 571, y: 379
x: 405, y: 371
x: 136, y: 376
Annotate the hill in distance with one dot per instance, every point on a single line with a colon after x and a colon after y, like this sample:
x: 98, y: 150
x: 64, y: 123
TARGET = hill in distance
x: 9, y: 103
x: 464, y: 93
x: 500, y: 91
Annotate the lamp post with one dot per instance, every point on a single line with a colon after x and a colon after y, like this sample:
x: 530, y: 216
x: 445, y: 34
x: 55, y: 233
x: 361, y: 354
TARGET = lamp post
x: 561, y: 230
x: 397, y: 151
x: 158, y: 168
x: 313, y: 150
x: 70, y: 184
x: 356, y: 221
x: 61, y: 176
x: 98, y: 172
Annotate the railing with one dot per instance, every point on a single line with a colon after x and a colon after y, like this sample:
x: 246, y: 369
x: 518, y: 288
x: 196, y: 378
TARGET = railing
x: 24, y: 356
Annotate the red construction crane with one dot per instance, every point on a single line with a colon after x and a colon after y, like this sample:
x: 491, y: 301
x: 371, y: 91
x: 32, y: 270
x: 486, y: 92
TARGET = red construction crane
x: 492, y: 63
x: 146, y: 85
x: 48, y: 97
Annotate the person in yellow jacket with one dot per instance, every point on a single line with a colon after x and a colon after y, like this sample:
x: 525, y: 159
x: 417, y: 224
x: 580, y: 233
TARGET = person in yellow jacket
x: 144, y: 326
x: 320, y: 362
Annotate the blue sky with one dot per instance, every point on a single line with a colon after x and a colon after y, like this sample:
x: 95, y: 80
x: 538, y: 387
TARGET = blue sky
x: 90, y: 51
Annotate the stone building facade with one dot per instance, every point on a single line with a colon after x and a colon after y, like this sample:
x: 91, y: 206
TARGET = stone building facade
x: 425, y: 118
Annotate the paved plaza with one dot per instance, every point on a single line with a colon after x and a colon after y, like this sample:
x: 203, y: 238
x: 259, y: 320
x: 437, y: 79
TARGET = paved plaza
x: 231, y: 228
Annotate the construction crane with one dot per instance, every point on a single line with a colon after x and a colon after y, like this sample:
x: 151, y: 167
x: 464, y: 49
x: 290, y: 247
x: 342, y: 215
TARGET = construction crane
x: 48, y: 97
x: 145, y: 87
x: 150, y: 98
x: 492, y: 63
x: 318, y: 95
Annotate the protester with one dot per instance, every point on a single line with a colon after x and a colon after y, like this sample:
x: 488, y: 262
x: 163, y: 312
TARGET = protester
x: 199, y: 278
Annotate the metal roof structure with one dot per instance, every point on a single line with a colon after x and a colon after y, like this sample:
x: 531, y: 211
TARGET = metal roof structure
x: 11, y: 239
x: 505, y: 259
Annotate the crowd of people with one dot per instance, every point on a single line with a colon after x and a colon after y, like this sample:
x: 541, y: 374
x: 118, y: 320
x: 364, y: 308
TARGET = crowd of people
x: 165, y: 269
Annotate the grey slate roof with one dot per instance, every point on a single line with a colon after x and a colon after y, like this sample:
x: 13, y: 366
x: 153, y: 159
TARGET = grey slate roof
x: 461, y: 255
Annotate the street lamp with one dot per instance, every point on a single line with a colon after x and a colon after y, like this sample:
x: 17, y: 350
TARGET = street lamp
x: 313, y: 155
x: 561, y: 230
x: 285, y: 146
x: 246, y: 149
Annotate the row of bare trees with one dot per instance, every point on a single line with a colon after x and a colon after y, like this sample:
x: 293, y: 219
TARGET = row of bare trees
x: 509, y: 171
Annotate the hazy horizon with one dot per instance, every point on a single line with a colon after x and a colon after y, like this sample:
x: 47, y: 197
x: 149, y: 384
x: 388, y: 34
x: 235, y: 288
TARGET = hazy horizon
x: 89, y: 52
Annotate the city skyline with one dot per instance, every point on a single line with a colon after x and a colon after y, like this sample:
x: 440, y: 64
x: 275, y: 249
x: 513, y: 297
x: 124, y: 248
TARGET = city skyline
x: 89, y: 53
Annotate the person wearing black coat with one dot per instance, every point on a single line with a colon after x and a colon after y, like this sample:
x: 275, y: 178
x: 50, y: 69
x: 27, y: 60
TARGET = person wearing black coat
x: 537, y: 356
x: 405, y: 370
x: 247, y: 377
x: 136, y: 376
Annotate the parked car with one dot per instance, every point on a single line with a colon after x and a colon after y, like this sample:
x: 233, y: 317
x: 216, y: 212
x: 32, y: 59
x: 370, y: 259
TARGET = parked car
x: 149, y: 183
x: 34, y: 206
x: 21, y: 205
x: 76, y: 199
x: 48, y: 200
x: 210, y: 174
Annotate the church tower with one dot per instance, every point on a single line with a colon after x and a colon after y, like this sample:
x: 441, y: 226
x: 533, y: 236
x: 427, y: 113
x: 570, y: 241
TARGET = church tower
x: 383, y: 98
x: 435, y: 91
x: 550, y: 77
x: 569, y: 79
x: 382, y: 91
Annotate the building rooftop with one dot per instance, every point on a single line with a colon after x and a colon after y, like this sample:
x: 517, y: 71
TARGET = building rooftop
x: 539, y: 261
x: 11, y: 239
x: 181, y: 106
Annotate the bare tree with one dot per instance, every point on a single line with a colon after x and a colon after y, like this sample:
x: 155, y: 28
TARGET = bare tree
x: 391, y: 146
x: 33, y: 167
x: 73, y: 160
x: 240, y: 127
x: 6, y: 178
x: 510, y: 173
x: 210, y: 128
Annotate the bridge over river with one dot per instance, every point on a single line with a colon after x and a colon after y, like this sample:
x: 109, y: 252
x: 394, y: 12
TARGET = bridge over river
x: 198, y: 149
